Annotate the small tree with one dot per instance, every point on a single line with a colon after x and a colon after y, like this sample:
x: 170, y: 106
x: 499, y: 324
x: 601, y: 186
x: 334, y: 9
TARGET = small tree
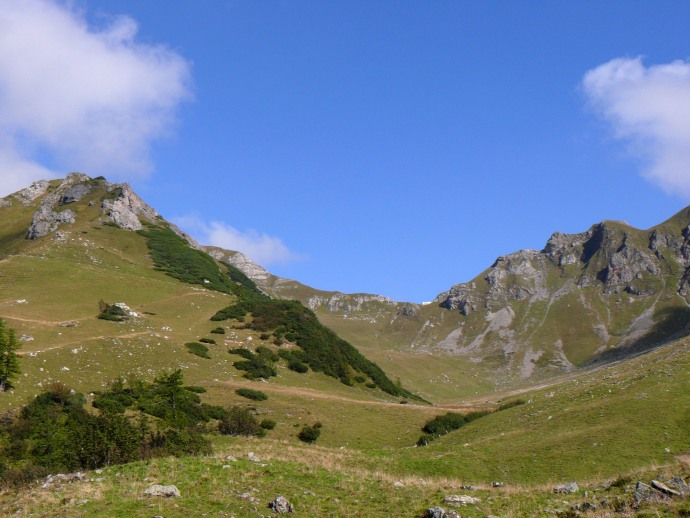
x: 9, y: 360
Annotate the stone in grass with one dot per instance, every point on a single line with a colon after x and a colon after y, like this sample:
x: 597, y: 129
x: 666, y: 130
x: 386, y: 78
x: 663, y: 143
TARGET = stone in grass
x: 664, y: 488
x: 457, y: 500
x: 164, y: 491
x: 440, y: 512
x: 253, y: 458
x: 570, y: 487
x: 281, y: 505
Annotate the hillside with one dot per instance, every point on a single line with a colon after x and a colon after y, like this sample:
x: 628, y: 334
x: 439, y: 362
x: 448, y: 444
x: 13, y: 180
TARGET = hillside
x: 79, y: 248
x: 70, y: 246
x: 601, y: 295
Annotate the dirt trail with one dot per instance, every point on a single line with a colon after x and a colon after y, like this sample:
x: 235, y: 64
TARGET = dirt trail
x: 100, y: 337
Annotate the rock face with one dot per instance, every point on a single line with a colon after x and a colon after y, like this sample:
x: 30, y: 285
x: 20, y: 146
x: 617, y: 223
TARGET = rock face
x: 341, y: 302
x: 241, y: 262
x: 125, y: 208
x: 593, y: 296
x: 119, y: 204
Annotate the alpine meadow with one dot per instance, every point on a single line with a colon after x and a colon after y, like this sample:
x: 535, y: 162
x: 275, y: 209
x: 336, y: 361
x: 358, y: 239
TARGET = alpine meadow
x: 135, y: 360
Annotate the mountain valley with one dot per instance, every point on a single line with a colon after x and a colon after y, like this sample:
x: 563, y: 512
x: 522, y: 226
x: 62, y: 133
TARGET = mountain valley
x: 583, y: 339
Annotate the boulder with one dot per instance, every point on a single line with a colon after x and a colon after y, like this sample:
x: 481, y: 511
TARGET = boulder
x: 281, y: 505
x: 164, y: 491
x: 440, y: 512
x: 570, y: 487
x: 457, y: 500
x: 664, y: 488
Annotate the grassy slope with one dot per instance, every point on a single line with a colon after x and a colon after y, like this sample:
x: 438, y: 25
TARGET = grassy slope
x: 569, y: 431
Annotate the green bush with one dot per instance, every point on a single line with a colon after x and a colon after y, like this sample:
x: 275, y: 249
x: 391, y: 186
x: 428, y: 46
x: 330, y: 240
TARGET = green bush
x: 256, y: 365
x: 218, y: 331
x: 199, y: 349
x: 255, y: 395
x: 240, y: 421
x: 207, y: 340
x: 309, y: 434
x: 195, y: 389
x: 443, y: 424
x: 267, y: 424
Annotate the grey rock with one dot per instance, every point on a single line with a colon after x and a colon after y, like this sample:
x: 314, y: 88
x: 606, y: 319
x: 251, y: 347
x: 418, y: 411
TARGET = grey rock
x: 664, y: 488
x: 253, y: 458
x: 125, y: 208
x: 645, y: 493
x: 457, y: 500
x: 440, y: 512
x: 45, y: 220
x: 4, y: 202
x: 74, y: 193
x: 570, y: 487
x: 33, y: 191
x: 164, y: 491
x: 241, y: 262
x: 280, y: 505
x: 679, y: 485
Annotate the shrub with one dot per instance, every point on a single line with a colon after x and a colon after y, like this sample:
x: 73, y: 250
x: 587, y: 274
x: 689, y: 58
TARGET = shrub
x: 309, y: 434
x: 218, y: 330
x: 258, y: 365
x: 199, y: 349
x: 255, y: 395
x: 195, y: 389
x: 298, y: 366
x: 268, y: 424
x: 359, y: 378
x: 239, y: 421
x: 443, y: 424
x: 207, y: 340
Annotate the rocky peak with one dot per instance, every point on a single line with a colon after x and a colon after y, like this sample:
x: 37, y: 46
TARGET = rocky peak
x: 241, y: 262
x: 125, y: 208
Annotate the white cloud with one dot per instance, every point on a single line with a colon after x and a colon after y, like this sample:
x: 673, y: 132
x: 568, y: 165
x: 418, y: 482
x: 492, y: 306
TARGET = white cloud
x: 648, y: 107
x: 261, y: 248
x: 88, y: 99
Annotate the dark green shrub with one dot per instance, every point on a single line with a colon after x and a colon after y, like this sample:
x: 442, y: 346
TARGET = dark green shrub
x: 199, y: 349
x: 264, y: 336
x: 256, y: 365
x: 195, y: 389
x: 268, y: 424
x: 255, y: 395
x: 359, y: 378
x: 207, y: 340
x: 218, y: 331
x: 443, y: 424
x: 239, y: 421
x: 298, y: 366
x: 309, y: 434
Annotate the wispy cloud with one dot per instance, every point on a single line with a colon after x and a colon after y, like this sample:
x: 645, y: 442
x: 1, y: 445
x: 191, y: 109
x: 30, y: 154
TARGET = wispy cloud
x: 260, y: 248
x: 87, y: 99
x: 648, y: 107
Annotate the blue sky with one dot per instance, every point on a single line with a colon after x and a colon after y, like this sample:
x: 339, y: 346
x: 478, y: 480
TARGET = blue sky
x: 385, y: 147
